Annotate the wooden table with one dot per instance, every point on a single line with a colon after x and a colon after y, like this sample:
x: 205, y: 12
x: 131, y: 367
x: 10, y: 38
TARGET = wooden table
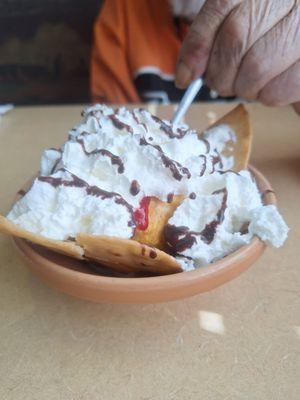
x: 240, y: 341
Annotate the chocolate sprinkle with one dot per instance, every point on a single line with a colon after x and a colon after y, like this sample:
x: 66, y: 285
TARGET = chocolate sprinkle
x: 134, y: 188
x: 170, y: 197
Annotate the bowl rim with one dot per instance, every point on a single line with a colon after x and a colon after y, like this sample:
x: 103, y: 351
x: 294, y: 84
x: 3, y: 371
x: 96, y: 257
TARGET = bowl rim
x: 162, y: 280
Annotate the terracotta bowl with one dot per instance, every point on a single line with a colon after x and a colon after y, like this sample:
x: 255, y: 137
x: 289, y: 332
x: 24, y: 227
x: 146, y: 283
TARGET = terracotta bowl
x: 78, y: 278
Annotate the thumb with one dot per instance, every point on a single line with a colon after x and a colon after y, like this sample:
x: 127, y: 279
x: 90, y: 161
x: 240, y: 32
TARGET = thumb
x: 195, y: 51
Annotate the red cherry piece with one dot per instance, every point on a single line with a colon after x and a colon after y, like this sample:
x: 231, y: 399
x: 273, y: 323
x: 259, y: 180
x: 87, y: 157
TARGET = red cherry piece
x: 141, y: 214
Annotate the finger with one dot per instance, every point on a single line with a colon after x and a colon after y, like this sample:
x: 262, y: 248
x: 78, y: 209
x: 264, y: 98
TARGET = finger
x: 197, y: 45
x: 274, y: 53
x: 284, y: 89
x: 243, y: 27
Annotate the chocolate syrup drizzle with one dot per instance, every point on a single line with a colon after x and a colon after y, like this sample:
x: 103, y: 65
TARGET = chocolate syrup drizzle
x: 115, y: 160
x: 57, y: 161
x: 208, y: 233
x: 228, y: 170
x: 139, y: 122
x: 94, y: 114
x: 205, y: 141
x: 203, y: 169
x: 216, y: 159
x: 180, y: 238
x: 179, y: 133
x: 119, y: 124
x: 177, y: 170
x: 114, y: 119
x: 168, y: 130
x: 77, y: 182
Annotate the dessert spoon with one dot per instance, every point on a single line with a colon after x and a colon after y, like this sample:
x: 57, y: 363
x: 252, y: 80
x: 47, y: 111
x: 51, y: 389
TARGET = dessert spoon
x: 187, y: 99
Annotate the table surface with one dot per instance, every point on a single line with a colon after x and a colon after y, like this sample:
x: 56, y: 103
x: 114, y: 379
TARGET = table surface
x: 240, y: 341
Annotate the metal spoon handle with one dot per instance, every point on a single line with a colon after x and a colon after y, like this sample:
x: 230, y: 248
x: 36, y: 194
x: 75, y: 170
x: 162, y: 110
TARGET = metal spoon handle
x: 187, y: 99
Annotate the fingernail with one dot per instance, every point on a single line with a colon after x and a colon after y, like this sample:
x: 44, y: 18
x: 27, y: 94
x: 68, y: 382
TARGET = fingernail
x: 183, y: 76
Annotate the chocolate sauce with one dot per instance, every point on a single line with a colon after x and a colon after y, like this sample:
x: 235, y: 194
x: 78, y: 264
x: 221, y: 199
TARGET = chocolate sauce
x: 203, y: 169
x: 85, y: 133
x: 244, y: 228
x: 138, y: 122
x: 153, y: 254
x: 115, y: 160
x: 192, y: 196
x: 216, y: 159
x: 183, y: 256
x: 119, y: 124
x: 134, y: 188
x: 170, y: 197
x: 208, y: 233
x: 75, y: 181
x: 228, y: 170
x: 56, y: 182
x: 168, y: 130
x: 180, y: 238
x: 57, y: 161
x: 177, y: 170
x: 205, y: 141
x: 94, y: 114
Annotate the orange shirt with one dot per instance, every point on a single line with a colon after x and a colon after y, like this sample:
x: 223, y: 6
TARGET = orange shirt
x: 136, y: 44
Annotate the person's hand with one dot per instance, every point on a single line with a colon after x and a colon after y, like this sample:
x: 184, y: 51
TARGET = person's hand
x: 246, y: 48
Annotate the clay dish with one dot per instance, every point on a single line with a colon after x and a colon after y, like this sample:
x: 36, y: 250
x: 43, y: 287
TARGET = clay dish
x: 78, y: 278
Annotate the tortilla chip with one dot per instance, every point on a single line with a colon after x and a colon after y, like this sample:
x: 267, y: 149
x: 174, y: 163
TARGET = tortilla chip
x: 125, y: 255
x: 238, y: 119
x: 65, y: 247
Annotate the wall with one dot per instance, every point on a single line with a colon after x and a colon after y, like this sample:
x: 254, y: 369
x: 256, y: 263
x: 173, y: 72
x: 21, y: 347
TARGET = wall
x: 44, y: 50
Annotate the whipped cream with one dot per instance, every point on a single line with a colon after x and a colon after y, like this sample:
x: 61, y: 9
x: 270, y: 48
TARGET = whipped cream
x: 112, y: 149
x: 61, y: 205
x: 225, y: 215
x: 113, y: 159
